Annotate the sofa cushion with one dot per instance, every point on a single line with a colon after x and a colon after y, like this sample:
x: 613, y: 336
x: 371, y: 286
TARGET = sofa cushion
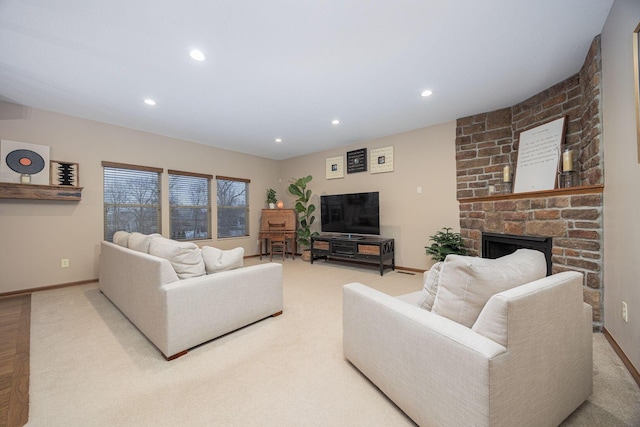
x: 216, y: 260
x: 121, y: 238
x: 140, y: 242
x: 430, y: 287
x: 185, y: 257
x: 466, y: 283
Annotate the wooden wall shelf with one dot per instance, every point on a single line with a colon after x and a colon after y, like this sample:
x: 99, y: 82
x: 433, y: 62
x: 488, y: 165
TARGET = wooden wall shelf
x: 590, y: 189
x: 40, y: 192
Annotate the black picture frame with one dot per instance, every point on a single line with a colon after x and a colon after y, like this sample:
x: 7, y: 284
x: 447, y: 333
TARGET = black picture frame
x: 357, y: 161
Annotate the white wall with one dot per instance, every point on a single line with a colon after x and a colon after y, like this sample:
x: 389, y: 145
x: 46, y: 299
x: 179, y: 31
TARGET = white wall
x: 622, y: 178
x: 36, y: 235
x: 422, y: 158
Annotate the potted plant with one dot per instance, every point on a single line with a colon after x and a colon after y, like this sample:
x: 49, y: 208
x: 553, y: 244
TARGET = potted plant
x: 271, y: 198
x: 305, y: 211
x: 445, y: 243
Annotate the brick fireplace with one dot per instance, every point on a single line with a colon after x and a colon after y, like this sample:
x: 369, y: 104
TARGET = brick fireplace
x: 571, y: 217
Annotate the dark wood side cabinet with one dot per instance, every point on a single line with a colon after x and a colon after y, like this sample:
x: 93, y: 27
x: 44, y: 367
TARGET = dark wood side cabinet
x: 364, y: 249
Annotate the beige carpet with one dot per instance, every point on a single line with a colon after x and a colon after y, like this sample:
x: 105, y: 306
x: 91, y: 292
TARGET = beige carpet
x: 91, y: 367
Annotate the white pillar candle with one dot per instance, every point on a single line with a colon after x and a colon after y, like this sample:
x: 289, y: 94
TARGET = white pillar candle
x: 567, y: 161
x: 506, y: 174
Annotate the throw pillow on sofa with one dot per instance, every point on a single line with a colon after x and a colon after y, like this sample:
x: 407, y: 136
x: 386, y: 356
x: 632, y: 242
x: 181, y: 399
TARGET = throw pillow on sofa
x: 216, y: 260
x: 185, y: 257
x: 466, y: 283
x: 121, y: 238
x: 430, y: 287
x: 140, y: 242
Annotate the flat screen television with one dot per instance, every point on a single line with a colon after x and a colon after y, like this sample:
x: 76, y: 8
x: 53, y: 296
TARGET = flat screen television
x: 357, y: 213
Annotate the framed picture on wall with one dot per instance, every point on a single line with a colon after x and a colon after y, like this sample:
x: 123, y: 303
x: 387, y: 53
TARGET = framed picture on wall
x: 381, y: 159
x: 335, y: 167
x: 357, y: 161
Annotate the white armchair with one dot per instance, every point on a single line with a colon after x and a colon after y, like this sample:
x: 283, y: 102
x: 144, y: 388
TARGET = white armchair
x: 527, y: 360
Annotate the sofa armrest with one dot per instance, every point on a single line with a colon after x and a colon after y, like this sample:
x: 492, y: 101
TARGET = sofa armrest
x: 425, y: 363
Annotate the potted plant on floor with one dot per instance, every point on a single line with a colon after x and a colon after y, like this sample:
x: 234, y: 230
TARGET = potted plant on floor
x: 305, y: 211
x: 271, y: 198
x: 445, y: 243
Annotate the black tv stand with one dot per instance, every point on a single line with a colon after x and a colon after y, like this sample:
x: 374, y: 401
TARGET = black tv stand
x: 349, y: 236
x: 355, y: 248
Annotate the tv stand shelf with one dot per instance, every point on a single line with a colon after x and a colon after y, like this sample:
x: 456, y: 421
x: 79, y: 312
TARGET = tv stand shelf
x: 363, y: 249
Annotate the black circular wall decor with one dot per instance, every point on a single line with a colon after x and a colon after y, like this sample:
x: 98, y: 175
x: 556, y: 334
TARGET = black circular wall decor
x: 25, y: 161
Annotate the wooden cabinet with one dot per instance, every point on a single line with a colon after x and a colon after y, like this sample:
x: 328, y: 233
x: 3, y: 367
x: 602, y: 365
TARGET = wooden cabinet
x: 363, y: 249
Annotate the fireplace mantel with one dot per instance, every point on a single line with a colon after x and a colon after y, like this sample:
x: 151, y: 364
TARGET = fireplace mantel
x: 589, y: 189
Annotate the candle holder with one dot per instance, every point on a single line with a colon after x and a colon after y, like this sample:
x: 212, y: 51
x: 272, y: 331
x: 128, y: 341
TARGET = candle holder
x: 568, y: 179
x: 506, y: 187
x: 25, y: 178
x: 507, y: 179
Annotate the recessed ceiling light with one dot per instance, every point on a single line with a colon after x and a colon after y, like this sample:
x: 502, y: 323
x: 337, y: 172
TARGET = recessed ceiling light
x: 196, y: 55
x: 426, y: 93
x: 150, y: 102
x: 278, y: 139
x: 335, y: 122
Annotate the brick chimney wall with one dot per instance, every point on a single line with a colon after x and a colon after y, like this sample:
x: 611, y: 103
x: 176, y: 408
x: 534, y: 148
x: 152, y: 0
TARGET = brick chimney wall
x: 486, y: 142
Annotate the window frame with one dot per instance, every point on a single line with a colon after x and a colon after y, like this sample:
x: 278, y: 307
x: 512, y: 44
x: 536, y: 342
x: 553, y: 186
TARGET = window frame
x: 174, y: 207
x: 106, y: 206
x: 221, y: 208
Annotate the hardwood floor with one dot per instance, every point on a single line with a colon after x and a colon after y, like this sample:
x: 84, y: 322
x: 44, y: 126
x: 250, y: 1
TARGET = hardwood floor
x: 15, y: 321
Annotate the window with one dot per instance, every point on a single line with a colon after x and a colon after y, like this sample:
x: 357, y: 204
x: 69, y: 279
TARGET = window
x: 131, y: 199
x: 233, y: 206
x: 189, y: 205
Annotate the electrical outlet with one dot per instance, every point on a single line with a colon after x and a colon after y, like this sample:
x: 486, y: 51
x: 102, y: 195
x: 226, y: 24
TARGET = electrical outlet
x: 625, y: 312
x: 64, y: 263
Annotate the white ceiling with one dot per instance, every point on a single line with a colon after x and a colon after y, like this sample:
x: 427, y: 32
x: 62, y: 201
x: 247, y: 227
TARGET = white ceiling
x: 286, y: 68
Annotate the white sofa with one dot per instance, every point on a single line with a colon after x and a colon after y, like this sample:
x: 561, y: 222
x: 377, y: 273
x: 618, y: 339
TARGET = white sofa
x: 177, y: 314
x: 525, y: 361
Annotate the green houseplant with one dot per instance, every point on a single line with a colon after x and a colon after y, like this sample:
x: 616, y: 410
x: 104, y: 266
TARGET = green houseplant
x: 445, y: 243
x: 271, y: 198
x: 305, y: 211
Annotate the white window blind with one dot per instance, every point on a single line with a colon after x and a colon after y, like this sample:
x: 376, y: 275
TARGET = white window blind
x: 189, y: 205
x: 233, y: 206
x: 131, y: 199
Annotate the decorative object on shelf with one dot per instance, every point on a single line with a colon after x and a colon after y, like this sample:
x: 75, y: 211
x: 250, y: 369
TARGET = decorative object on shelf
x: 506, y: 174
x: 381, y: 159
x: 305, y: 211
x: 568, y: 174
x: 335, y: 167
x: 357, y: 161
x: 65, y: 173
x: 538, y: 157
x: 18, y: 158
x: 507, y: 180
x: 271, y: 198
x: 445, y: 243
x: 280, y: 204
x: 25, y: 178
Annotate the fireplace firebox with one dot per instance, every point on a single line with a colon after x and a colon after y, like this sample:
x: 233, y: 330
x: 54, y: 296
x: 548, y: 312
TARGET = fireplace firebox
x: 495, y: 245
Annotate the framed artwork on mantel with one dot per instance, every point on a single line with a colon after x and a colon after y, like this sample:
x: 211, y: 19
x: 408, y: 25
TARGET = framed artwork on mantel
x: 539, y: 157
x: 636, y: 80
